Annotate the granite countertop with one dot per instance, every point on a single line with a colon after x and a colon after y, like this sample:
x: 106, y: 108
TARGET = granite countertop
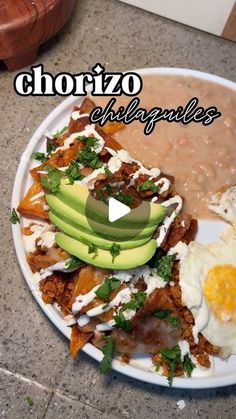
x: 34, y: 361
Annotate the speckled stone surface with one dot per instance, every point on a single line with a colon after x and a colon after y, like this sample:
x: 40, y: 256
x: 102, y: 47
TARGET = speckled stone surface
x: 34, y: 359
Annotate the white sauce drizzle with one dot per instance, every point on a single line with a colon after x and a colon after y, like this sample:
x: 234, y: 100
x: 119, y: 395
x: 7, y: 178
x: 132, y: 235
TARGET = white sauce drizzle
x: 163, y: 229
x: 89, y: 130
x: 38, y: 231
x: 76, y: 115
x: 83, y: 300
x: 124, y: 296
x: 47, y: 239
x: 37, y: 196
x: 83, y: 320
x: 151, y: 279
x: 59, y: 266
x: 166, y: 184
x: 154, y: 172
x: 90, y: 178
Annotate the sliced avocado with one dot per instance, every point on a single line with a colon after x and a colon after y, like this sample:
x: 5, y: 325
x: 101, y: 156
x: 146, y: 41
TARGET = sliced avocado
x: 79, y: 198
x: 87, y: 238
x: 127, y: 259
x: 73, y: 217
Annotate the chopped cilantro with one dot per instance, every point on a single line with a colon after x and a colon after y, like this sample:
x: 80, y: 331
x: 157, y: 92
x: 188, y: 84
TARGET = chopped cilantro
x: 148, y: 185
x: 92, y: 248
x: 29, y: 401
x: 53, y: 179
x: 51, y: 146
x: 162, y: 314
x: 137, y: 301
x: 73, y: 172
x: 40, y: 157
x: 90, y: 142
x: 124, y: 198
x: 108, y: 351
x: 157, y: 367
x: 122, y: 322
x: 89, y: 158
x: 114, y: 250
x: 188, y: 365
x: 107, y: 171
x: 73, y: 263
x: 14, y: 218
x: 108, y: 188
x: 102, y: 197
x: 174, y: 321
x: 164, y: 266
x: 59, y: 133
x: 166, y: 314
x: 173, y: 358
x: 109, y: 285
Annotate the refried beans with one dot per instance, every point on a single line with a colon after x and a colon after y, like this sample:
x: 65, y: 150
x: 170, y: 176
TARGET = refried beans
x: 202, y: 158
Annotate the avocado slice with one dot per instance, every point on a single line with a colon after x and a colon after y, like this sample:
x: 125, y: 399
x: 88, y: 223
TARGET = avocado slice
x: 73, y: 217
x: 87, y: 238
x: 78, y: 197
x: 127, y: 259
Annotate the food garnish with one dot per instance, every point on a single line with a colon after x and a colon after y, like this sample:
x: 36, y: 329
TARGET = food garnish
x: 14, y: 218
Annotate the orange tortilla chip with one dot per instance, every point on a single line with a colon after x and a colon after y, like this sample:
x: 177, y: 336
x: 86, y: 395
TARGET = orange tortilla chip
x: 33, y: 208
x: 78, y: 340
x: 112, y: 127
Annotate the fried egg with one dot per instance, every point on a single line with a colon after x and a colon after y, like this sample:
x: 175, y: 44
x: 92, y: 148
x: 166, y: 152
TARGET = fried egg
x: 223, y: 203
x: 208, y: 284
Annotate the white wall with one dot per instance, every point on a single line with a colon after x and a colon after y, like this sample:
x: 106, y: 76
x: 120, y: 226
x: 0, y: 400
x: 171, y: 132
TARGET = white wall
x: 208, y: 15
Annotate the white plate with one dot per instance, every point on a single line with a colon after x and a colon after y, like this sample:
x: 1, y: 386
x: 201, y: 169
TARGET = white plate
x: 224, y: 372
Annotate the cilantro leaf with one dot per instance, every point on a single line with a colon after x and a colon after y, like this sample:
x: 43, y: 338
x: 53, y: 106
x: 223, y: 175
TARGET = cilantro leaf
x: 89, y: 158
x: 109, y: 285
x: 108, y: 351
x: 107, y: 171
x: 137, y: 301
x: 122, y: 322
x: 51, y: 146
x: 115, y: 250
x: 162, y: 314
x: 30, y: 401
x: 14, y: 218
x: 188, y: 365
x: 90, y: 142
x: 173, y: 358
x: 59, y: 133
x: 40, y: 157
x: 148, y: 185
x: 174, y: 321
x: 73, y: 172
x: 166, y: 314
x: 124, y: 198
x: 164, y: 266
x: 52, y: 180
x: 92, y: 248
x: 73, y: 263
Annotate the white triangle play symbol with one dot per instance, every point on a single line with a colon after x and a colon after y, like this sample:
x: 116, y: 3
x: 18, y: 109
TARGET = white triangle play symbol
x: 116, y: 210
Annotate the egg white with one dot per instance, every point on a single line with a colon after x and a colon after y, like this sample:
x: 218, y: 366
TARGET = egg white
x: 193, y: 272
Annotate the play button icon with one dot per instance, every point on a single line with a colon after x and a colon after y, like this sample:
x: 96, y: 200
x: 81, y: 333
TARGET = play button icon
x: 116, y: 210
x: 114, y: 221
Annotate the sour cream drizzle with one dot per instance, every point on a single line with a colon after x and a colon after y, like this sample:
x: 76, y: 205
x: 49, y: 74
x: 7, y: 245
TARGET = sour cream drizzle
x: 149, y: 276
x: 88, y: 131
x: 37, y: 196
x: 59, y: 266
x: 163, y: 229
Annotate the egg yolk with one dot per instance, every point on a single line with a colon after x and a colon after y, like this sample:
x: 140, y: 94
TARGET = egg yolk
x: 220, y: 291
